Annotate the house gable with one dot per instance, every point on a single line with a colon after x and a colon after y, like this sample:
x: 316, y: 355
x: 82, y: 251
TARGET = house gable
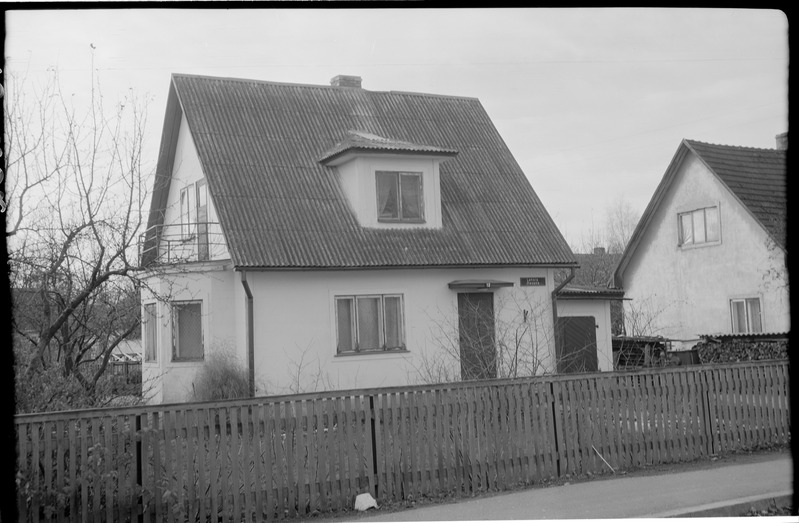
x: 753, y: 178
x: 259, y: 144
x: 685, y: 288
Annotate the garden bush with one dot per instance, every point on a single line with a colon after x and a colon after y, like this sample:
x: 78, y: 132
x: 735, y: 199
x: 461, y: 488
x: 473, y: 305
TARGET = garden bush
x: 221, y: 377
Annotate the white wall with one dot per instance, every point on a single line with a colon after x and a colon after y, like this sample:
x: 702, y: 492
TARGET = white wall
x: 686, y: 291
x: 600, y: 310
x: 295, y: 325
x: 168, y: 381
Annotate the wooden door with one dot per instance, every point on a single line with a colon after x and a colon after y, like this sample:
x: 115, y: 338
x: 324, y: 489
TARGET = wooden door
x: 577, y: 351
x: 476, y: 335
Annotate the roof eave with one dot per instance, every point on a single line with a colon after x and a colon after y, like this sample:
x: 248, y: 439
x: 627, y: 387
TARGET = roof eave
x: 350, y: 153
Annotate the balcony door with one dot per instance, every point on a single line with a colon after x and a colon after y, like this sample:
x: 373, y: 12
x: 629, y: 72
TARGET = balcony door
x: 202, y: 221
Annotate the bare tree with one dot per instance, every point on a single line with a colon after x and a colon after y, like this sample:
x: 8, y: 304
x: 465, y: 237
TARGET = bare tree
x: 518, y: 345
x: 620, y: 221
x: 76, y: 188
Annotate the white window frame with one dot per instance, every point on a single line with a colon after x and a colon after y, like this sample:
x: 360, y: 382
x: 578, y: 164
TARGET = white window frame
x: 355, y: 349
x: 176, y: 357
x: 693, y: 214
x: 150, y: 332
x: 186, y: 230
x: 747, y: 313
x: 399, y: 175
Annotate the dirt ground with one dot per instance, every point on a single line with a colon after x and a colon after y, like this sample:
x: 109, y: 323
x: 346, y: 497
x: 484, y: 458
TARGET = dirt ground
x: 732, y: 458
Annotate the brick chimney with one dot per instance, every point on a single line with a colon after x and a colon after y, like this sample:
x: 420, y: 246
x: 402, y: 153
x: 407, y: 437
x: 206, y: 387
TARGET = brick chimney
x: 344, y: 80
x: 599, y: 250
x: 782, y: 141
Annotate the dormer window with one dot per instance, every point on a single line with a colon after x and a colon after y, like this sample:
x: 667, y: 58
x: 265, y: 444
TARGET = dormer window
x: 399, y: 197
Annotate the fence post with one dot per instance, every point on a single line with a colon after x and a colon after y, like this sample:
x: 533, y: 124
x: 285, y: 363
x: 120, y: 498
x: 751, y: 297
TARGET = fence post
x: 555, y: 427
x: 374, y: 446
x: 140, y: 510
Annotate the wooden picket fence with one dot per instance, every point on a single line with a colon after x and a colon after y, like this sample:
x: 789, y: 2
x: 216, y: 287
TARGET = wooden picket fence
x: 291, y: 456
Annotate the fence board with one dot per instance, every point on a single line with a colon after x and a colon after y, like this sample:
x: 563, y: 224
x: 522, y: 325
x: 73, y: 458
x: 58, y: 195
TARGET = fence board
x: 269, y: 458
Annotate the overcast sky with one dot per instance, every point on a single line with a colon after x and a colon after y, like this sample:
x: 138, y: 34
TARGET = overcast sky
x: 593, y: 103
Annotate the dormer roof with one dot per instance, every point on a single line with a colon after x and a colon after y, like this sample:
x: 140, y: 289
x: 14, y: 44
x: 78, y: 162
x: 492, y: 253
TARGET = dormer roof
x: 363, y: 142
x: 260, y: 144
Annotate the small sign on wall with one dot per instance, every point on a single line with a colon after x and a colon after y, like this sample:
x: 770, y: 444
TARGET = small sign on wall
x: 533, y: 281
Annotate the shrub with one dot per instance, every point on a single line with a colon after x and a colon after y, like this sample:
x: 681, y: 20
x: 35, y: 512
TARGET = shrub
x: 222, y: 377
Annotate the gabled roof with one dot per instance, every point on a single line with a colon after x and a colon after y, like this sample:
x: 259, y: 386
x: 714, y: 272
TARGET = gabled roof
x: 259, y: 144
x: 756, y: 177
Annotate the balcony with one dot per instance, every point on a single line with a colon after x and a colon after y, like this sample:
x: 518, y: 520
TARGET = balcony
x: 182, y: 243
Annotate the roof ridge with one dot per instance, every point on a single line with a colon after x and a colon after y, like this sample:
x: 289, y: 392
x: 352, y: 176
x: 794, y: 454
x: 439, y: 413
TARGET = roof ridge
x: 742, y: 147
x: 318, y: 86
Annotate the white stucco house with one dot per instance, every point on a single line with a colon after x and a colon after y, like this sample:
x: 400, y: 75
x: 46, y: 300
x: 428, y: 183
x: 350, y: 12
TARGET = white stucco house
x: 332, y: 237
x: 708, y: 255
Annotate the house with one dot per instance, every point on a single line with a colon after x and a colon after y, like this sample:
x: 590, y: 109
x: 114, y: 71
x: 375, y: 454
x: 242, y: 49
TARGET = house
x: 332, y: 237
x: 708, y: 255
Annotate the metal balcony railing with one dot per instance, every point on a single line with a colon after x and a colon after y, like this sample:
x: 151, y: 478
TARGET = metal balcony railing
x: 182, y: 243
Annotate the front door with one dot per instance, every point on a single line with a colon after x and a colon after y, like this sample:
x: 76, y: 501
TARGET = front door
x: 476, y: 335
x: 577, y: 350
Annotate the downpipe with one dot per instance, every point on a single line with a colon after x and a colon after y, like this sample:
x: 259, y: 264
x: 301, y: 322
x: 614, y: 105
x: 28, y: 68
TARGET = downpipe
x: 250, y: 334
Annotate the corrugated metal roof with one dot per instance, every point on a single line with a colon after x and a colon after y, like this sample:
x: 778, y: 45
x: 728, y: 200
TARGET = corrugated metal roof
x: 259, y: 144
x: 747, y: 336
x: 588, y: 291
x: 756, y: 176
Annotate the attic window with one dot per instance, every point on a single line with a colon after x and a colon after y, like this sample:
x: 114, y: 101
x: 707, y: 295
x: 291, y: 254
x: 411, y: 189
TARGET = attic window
x: 699, y: 226
x: 399, y: 197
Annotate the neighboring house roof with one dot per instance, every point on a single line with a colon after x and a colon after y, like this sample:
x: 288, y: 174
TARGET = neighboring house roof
x: 756, y: 177
x: 260, y: 145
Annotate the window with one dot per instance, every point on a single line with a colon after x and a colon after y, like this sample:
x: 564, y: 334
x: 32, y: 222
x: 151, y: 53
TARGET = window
x: 399, y: 196
x: 187, y: 331
x: 746, y: 315
x: 185, y: 213
x: 369, y: 323
x: 150, y: 334
x: 699, y: 226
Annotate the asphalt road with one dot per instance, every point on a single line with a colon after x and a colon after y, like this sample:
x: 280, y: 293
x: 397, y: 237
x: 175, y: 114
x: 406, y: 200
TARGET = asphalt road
x: 635, y: 496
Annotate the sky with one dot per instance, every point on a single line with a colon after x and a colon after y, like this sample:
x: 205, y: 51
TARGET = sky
x: 592, y: 103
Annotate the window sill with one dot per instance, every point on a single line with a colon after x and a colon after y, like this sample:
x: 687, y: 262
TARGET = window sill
x: 691, y: 246
x: 372, y: 353
x: 188, y: 361
x: 393, y: 220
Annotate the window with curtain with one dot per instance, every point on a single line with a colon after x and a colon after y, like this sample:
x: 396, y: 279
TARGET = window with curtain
x: 746, y: 315
x: 699, y: 226
x: 399, y: 196
x: 187, y: 331
x: 369, y: 323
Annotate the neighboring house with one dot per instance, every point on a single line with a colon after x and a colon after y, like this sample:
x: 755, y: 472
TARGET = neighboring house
x: 708, y: 255
x: 333, y: 237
